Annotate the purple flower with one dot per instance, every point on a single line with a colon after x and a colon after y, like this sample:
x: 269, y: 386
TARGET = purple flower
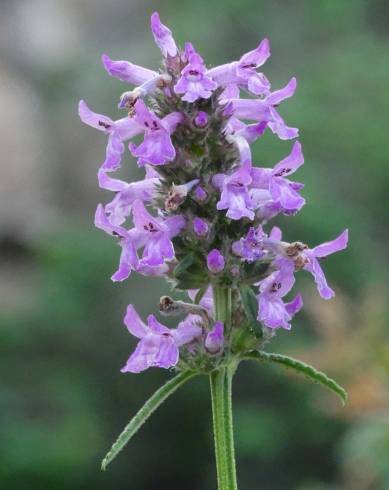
x: 215, y: 339
x: 163, y: 36
x: 200, y: 227
x: 102, y: 222
x: 152, y: 234
x: 202, y: 190
x: 120, y: 207
x: 283, y: 190
x: 250, y: 247
x: 271, y: 192
x: 235, y: 195
x: 312, y: 264
x: 157, y: 147
x: 158, y: 345
x: 272, y: 311
x: 194, y: 82
x: 241, y: 135
x: 243, y: 72
x: 215, y: 261
x: 305, y: 258
x: 263, y: 110
x: 118, y: 131
x: 156, y: 234
x: 129, y: 241
x: 127, y: 72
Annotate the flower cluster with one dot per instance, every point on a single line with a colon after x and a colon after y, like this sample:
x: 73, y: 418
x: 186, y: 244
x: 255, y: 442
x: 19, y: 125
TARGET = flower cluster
x: 200, y: 216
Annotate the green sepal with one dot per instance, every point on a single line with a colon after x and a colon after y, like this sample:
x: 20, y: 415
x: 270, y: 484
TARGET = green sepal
x: 189, y: 273
x: 243, y: 339
x: 301, y: 367
x: 191, y: 281
x: 196, y: 150
x: 255, y: 272
x: 184, y: 264
x: 250, y: 305
x: 144, y: 413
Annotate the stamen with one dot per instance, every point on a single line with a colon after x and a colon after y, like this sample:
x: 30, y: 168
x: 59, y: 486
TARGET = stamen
x: 295, y: 248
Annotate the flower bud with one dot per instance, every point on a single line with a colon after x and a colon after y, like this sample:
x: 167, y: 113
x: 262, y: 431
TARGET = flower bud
x: 200, y: 193
x: 215, y: 261
x: 215, y: 339
x: 235, y: 271
x: 200, y: 227
x: 201, y: 120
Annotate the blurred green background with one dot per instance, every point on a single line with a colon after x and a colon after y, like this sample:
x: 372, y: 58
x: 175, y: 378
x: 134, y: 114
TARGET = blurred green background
x: 62, y: 342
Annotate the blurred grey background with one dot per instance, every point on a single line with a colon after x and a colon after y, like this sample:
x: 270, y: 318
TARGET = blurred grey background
x: 62, y: 342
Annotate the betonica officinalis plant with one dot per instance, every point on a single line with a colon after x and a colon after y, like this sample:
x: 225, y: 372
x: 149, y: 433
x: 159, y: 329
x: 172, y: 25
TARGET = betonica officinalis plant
x: 201, y: 219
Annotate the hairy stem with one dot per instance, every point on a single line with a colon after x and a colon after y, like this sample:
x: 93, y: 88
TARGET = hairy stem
x: 220, y: 382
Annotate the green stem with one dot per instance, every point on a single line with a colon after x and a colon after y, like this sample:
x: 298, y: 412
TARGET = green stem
x: 221, y: 381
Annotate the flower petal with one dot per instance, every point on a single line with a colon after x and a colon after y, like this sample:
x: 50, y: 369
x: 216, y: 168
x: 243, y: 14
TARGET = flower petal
x: 328, y: 248
x: 134, y: 323
x: 320, y: 279
x: 290, y: 163
x: 163, y: 36
x: 97, y: 121
x: 127, y: 72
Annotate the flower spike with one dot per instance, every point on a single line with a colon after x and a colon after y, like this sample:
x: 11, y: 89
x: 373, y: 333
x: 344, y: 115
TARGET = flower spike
x: 200, y: 216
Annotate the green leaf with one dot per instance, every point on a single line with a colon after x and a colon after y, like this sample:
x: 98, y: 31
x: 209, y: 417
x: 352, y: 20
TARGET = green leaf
x: 184, y: 264
x: 190, y: 281
x: 255, y: 272
x: 250, y: 305
x: 144, y: 413
x: 189, y: 273
x: 301, y: 367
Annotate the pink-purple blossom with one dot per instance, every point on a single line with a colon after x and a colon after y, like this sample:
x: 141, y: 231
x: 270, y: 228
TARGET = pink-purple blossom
x: 194, y: 82
x: 264, y: 110
x: 250, y: 247
x: 244, y: 72
x: 118, y: 132
x: 157, y: 147
x: 235, y: 196
x: 156, y: 234
x: 272, y: 192
x: 158, y: 345
x: 199, y: 214
x: 311, y: 258
x: 126, y: 194
x: 272, y: 310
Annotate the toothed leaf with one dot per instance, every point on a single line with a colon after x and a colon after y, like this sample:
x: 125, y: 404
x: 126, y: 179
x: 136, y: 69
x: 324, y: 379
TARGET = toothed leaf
x: 144, y: 413
x: 301, y: 367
